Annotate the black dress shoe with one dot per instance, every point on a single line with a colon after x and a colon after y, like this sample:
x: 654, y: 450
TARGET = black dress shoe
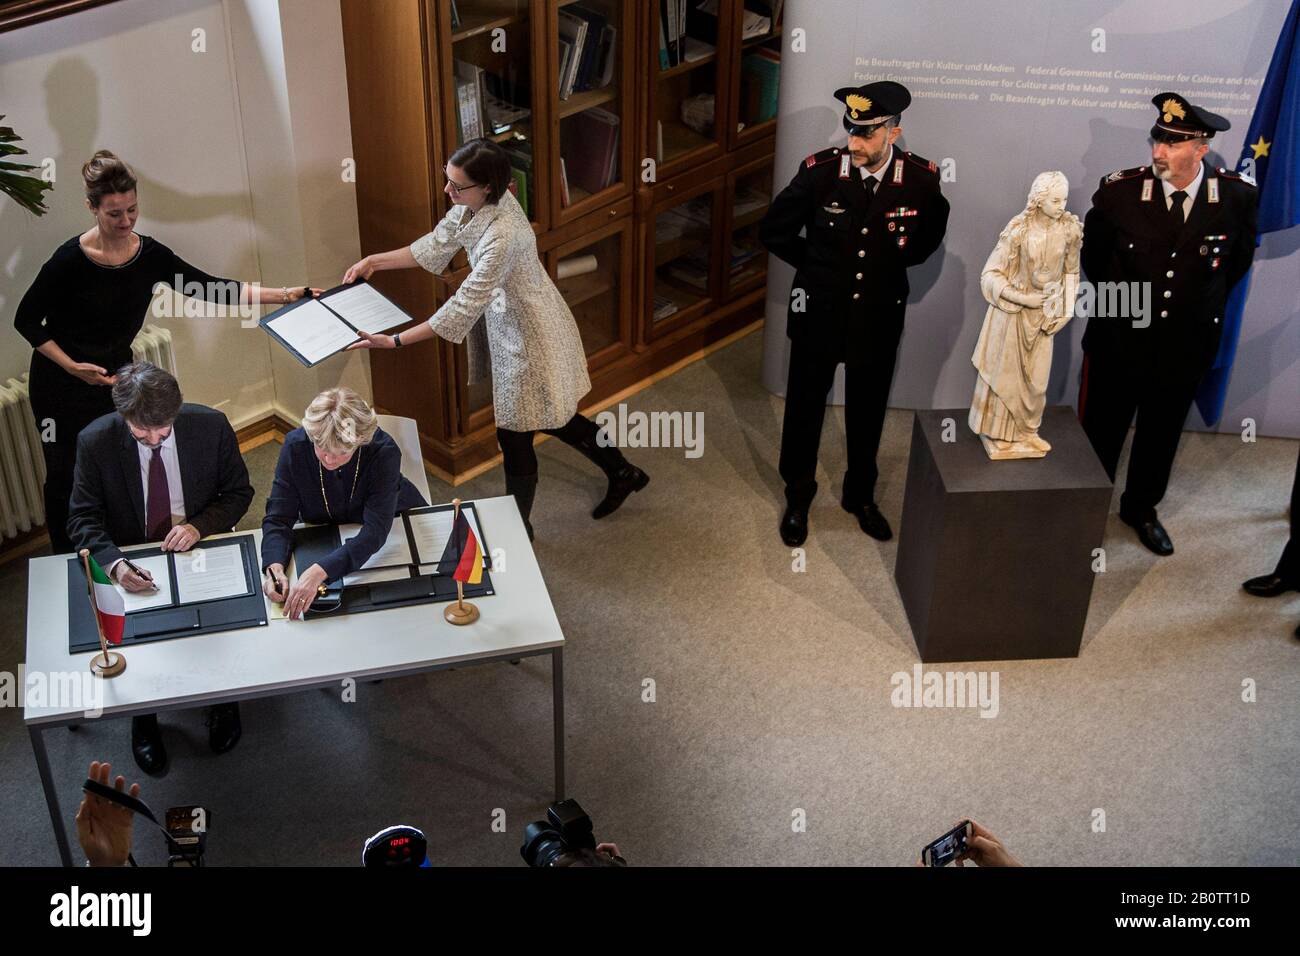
x: 147, y: 746
x: 794, y: 526
x: 1152, y: 534
x: 622, y: 483
x: 1268, y: 585
x: 224, y: 729
x: 871, y: 521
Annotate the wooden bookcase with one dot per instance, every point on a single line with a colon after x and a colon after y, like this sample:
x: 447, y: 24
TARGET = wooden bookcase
x: 635, y: 232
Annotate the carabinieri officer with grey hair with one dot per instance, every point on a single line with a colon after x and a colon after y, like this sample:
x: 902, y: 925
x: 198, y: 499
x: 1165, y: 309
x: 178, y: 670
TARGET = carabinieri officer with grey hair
x: 869, y: 210
x: 1185, y: 230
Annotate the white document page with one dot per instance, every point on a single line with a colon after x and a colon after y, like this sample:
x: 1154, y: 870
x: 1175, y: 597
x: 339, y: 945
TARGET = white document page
x: 392, y: 553
x: 376, y: 576
x: 313, y: 331
x: 210, y: 573
x: 366, y: 309
x: 143, y: 600
x: 431, y: 531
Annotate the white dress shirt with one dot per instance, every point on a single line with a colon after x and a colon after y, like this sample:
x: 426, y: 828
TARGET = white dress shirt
x: 172, y: 468
x: 1191, y: 189
x: 878, y: 175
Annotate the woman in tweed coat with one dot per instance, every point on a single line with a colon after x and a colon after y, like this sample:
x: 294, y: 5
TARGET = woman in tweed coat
x: 527, y: 335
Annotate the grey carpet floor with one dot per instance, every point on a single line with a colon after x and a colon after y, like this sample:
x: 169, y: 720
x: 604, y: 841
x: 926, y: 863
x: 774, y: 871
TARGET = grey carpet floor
x: 772, y: 688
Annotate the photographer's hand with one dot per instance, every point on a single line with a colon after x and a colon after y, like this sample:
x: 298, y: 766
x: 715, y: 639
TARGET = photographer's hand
x: 104, y: 827
x: 984, y: 849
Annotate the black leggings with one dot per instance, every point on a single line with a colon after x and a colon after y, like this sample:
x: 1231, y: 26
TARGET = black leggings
x: 520, y: 460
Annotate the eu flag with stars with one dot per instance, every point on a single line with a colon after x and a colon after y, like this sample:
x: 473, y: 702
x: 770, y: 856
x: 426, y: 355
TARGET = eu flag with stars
x: 1269, y: 157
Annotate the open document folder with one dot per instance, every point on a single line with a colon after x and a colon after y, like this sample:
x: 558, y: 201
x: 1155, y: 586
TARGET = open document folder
x: 314, y: 329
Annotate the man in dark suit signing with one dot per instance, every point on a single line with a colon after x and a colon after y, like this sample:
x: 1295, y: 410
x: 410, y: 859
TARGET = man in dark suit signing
x: 157, y: 470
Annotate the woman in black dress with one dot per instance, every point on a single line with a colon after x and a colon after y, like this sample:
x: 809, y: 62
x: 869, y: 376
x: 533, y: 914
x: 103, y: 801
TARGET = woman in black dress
x: 84, y: 309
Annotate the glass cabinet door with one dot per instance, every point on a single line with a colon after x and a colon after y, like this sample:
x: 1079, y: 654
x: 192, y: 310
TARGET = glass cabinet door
x: 682, y: 285
x: 755, y: 82
x: 749, y: 195
x: 686, y: 90
x: 591, y: 100
x: 592, y: 276
x: 490, y: 86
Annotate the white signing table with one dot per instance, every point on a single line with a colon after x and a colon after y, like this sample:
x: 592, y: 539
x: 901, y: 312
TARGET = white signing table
x: 290, y: 656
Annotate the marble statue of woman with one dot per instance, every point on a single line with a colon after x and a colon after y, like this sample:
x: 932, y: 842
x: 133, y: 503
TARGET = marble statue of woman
x: 1030, y: 282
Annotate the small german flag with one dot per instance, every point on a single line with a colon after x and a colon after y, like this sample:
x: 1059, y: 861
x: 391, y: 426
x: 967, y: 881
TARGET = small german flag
x: 463, y: 556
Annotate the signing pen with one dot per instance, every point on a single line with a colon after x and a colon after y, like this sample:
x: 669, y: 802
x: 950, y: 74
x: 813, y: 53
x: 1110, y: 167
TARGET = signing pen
x: 142, y: 572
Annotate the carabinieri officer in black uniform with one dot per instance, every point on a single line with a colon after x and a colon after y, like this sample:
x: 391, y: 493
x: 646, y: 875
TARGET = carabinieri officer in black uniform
x: 869, y: 210
x: 1188, y: 229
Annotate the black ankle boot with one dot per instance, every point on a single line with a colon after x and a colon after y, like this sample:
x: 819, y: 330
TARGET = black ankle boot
x: 524, y: 489
x: 622, y: 483
x: 624, y: 477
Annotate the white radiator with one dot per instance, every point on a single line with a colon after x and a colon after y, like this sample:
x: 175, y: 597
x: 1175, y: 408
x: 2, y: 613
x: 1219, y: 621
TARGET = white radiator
x: 22, y: 468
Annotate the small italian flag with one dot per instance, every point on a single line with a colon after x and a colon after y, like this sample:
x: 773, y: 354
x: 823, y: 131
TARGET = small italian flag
x: 108, y: 604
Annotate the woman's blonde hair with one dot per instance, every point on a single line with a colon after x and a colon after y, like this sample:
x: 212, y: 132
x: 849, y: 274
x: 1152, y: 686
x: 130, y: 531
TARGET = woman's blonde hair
x: 339, y: 420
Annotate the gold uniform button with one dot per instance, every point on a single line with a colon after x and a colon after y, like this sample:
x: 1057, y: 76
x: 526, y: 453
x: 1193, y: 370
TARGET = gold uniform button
x: 864, y: 230
x: 857, y: 295
x: 1169, y: 274
x: 1168, y: 294
x: 861, y: 253
x: 859, y: 275
x: 1164, y: 314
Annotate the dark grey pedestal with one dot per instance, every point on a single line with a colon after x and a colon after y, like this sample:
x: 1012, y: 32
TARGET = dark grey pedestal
x: 995, y: 557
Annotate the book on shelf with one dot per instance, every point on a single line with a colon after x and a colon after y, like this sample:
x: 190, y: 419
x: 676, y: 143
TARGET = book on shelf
x: 748, y: 199
x: 573, y: 30
x: 608, y: 57
x: 691, y: 270
x: 672, y: 29
x: 589, y: 62
x: 594, y: 135
x: 469, y: 98
x: 564, y: 184
x: 694, y: 49
x: 521, y: 172
x: 663, y: 307
x: 760, y: 85
x: 741, y: 253
x: 588, y: 50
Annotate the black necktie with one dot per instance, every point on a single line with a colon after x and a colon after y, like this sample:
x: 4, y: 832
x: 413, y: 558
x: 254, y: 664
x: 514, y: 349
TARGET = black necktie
x: 870, y: 183
x: 1176, y: 200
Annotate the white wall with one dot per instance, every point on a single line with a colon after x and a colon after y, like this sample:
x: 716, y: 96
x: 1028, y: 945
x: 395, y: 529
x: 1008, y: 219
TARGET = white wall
x: 238, y: 150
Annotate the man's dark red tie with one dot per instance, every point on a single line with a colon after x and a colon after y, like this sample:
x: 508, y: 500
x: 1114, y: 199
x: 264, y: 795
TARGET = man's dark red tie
x: 158, y: 521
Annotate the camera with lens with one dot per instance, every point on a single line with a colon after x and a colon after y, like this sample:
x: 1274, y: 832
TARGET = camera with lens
x: 564, y: 838
x: 187, y: 835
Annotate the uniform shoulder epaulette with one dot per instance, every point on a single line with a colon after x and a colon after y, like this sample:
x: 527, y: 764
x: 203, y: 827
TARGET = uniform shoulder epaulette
x: 1233, y: 174
x: 830, y: 152
x: 921, y: 161
x: 1121, y: 174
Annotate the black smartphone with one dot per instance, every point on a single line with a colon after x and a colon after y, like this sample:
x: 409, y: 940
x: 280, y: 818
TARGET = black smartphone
x: 948, y: 847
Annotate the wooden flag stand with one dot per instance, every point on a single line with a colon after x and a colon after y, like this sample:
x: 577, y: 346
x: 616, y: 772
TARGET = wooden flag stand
x: 107, y: 663
x: 460, y: 612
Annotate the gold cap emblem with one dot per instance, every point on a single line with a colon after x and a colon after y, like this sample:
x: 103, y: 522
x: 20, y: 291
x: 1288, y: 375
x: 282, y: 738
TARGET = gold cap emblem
x: 1172, y: 108
x: 857, y: 104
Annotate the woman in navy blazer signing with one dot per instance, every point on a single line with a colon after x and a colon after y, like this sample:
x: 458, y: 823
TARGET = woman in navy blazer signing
x: 340, y: 467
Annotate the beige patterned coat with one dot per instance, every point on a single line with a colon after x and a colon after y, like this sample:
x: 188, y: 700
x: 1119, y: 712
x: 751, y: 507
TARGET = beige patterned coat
x: 527, y: 333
